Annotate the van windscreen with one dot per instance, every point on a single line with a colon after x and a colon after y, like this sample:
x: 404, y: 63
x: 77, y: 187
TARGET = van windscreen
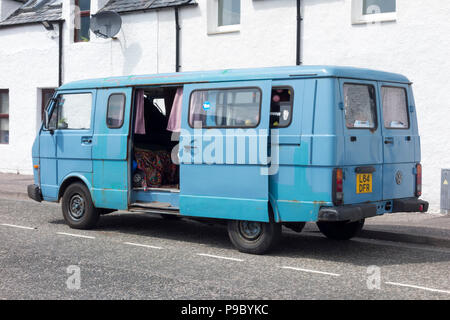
x: 360, y: 106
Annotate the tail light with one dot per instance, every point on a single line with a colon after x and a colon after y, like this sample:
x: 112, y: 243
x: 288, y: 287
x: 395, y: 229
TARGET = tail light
x: 338, y: 186
x: 418, y: 180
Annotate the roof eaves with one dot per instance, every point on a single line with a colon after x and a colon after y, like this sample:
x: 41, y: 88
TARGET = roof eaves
x: 149, y: 7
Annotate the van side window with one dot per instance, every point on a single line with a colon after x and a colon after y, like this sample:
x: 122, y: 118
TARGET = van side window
x: 281, y: 107
x: 116, y: 110
x: 360, y: 106
x: 395, y: 108
x: 74, y: 111
x: 223, y: 108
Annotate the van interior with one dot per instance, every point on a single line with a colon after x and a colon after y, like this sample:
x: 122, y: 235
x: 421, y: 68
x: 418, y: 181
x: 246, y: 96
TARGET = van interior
x: 152, y: 143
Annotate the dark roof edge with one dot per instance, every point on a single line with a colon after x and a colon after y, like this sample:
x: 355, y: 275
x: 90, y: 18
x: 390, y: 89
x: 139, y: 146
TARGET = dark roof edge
x: 153, y: 9
x: 2, y: 26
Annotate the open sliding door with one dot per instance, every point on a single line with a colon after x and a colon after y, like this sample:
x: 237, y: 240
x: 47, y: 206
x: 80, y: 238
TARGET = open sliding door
x: 223, y: 150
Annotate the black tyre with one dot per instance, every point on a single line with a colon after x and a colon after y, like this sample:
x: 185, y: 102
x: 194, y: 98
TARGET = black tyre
x: 254, y: 237
x: 77, y: 207
x: 340, y: 230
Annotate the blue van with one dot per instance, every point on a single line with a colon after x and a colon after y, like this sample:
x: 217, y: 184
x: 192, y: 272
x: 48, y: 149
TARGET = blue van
x: 255, y: 148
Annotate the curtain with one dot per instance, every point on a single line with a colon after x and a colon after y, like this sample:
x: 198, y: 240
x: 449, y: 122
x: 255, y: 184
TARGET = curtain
x: 197, y: 115
x: 174, y: 123
x: 139, y: 124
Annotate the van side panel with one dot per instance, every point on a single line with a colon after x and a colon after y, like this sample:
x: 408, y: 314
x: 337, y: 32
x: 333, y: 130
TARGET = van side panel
x: 110, y: 156
x: 303, y: 182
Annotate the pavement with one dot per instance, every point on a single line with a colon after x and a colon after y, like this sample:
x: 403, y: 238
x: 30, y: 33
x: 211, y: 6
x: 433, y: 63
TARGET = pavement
x: 416, y: 228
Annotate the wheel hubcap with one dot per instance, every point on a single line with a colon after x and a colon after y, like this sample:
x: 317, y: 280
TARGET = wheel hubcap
x: 76, y: 207
x: 250, y: 230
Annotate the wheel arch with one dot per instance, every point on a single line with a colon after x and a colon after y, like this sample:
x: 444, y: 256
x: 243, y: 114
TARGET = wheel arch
x: 70, y: 179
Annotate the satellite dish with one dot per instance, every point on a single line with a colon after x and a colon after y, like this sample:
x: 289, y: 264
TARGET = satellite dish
x: 106, y: 24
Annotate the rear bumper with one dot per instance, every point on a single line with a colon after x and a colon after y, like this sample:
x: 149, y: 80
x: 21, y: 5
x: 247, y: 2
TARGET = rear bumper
x: 367, y: 210
x: 34, y: 192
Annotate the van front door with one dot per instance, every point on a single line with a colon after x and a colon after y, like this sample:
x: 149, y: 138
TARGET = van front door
x: 47, y: 157
x: 223, y: 150
x: 399, y: 135
x: 73, y: 134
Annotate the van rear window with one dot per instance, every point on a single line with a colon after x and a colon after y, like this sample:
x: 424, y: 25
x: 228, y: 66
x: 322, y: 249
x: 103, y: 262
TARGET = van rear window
x: 395, y: 108
x: 360, y: 106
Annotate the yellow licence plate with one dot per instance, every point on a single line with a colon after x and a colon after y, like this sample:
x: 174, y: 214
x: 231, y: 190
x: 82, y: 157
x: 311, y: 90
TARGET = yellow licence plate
x: 363, y: 183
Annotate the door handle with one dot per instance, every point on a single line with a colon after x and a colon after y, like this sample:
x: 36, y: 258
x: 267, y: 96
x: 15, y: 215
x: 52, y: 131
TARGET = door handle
x: 389, y: 140
x: 86, y: 140
x: 190, y: 147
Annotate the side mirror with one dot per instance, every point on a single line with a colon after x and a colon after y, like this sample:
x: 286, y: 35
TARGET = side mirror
x: 48, y: 124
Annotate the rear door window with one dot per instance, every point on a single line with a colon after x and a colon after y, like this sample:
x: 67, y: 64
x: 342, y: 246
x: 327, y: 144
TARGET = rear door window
x: 360, y: 106
x: 395, y: 108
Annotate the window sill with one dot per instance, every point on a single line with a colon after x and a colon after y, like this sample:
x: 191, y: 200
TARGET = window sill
x: 225, y: 29
x: 372, y: 18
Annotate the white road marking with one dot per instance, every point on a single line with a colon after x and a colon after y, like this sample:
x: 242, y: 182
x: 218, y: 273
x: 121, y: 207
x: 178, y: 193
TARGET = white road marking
x: 16, y: 226
x: 417, y: 287
x: 311, y: 271
x: 219, y: 257
x: 142, y: 245
x: 75, y: 235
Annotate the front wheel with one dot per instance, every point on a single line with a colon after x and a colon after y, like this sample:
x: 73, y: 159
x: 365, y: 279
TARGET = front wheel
x: 340, y: 230
x: 78, y: 208
x: 254, y: 237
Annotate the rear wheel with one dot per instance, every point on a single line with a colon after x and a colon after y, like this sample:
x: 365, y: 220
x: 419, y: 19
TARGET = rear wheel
x: 340, y: 230
x: 254, y: 237
x: 78, y: 208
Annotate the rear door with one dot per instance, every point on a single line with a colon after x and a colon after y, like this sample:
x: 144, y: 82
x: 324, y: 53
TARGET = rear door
x: 399, y: 135
x: 223, y: 150
x: 363, y: 158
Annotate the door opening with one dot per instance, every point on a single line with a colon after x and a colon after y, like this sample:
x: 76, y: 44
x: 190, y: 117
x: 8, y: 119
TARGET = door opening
x: 155, y: 137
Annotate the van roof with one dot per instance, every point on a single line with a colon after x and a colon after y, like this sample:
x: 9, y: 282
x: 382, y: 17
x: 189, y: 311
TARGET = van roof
x: 272, y: 73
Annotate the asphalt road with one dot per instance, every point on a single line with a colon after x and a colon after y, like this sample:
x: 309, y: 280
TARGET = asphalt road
x: 139, y: 256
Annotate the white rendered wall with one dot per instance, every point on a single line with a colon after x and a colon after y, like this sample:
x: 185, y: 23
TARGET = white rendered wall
x: 267, y: 37
x: 28, y: 62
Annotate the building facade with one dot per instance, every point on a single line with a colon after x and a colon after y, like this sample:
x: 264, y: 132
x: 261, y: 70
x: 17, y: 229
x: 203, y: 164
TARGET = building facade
x: 47, y: 42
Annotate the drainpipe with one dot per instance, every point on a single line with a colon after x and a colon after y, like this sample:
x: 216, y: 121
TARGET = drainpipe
x: 60, y: 52
x: 299, y: 34
x: 177, y: 41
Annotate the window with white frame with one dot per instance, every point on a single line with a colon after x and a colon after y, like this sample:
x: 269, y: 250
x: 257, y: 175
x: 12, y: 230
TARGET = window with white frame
x: 224, y: 16
x: 82, y: 20
x: 368, y: 11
